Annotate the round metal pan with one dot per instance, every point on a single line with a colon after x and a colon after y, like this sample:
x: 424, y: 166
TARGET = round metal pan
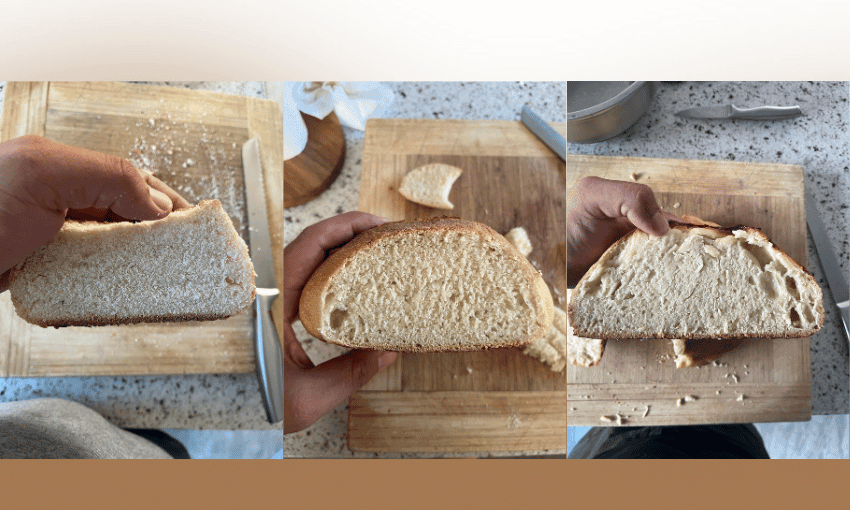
x: 599, y: 110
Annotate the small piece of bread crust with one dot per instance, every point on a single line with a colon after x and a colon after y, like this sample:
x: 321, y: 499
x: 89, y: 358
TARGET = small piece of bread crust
x: 441, y: 284
x: 191, y: 265
x: 518, y: 237
x: 430, y: 185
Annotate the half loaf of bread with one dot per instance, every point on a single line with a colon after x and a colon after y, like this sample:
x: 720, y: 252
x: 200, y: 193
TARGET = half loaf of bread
x: 696, y: 282
x: 191, y: 265
x: 442, y: 284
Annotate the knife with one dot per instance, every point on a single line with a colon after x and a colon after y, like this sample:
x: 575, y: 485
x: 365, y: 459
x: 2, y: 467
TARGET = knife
x: 733, y: 112
x: 544, y: 131
x: 834, y: 276
x: 266, y: 342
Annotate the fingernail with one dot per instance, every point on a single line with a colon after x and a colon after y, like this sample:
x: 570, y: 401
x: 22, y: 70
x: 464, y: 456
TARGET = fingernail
x: 161, y: 199
x: 385, y: 359
x: 659, y: 223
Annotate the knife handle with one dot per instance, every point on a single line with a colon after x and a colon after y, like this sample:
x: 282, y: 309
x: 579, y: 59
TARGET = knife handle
x: 766, y: 113
x: 544, y: 131
x: 269, y: 355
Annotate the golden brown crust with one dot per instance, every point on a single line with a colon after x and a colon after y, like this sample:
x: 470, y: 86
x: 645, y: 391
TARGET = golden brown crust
x: 310, y: 305
x: 684, y: 227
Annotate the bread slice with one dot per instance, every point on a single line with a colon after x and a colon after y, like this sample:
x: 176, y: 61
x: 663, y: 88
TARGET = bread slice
x: 430, y: 185
x: 696, y: 282
x: 442, y: 284
x: 191, y: 265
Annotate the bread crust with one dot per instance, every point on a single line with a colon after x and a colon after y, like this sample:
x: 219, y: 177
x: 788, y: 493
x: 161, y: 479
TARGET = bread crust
x: 94, y: 320
x: 721, y: 230
x: 310, y: 305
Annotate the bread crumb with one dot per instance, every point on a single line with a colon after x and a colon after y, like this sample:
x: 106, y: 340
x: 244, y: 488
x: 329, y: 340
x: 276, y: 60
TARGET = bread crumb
x: 646, y: 411
x: 634, y: 176
x: 690, y: 398
x: 740, y: 398
x: 468, y: 370
x: 679, y: 402
x: 618, y: 418
x: 676, y: 205
x: 735, y: 377
x: 717, y: 392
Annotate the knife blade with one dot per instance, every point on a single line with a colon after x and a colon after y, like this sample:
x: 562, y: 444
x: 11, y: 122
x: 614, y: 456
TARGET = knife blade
x: 544, y: 132
x: 266, y: 342
x: 733, y: 112
x: 834, y: 277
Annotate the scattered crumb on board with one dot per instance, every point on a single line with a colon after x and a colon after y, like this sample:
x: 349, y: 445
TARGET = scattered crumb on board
x: 194, y: 160
x: 618, y: 418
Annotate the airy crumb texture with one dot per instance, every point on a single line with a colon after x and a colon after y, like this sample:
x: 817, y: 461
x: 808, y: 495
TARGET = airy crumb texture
x: 696, y: 282
x: 433, y: 285
x: 191, y: 265
x: 430, y: 185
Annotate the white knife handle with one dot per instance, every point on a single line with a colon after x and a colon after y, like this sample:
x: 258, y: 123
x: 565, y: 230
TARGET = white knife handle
x: 269, y: 355
x: 766, y: 113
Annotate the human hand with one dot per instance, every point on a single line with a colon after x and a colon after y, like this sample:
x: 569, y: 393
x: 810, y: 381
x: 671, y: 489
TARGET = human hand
x: 43, y: 182
x: 601, y: 211
x: 312, y: 391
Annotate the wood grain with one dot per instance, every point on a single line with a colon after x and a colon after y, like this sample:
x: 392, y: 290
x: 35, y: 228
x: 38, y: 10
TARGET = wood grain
x: 774, y: 376
x: 440, y: 421
x: 206, y: 127
x: 510, y: 179
x: 310, y: 173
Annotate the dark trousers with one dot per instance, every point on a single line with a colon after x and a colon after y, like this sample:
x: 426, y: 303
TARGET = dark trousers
x: 735, y: 441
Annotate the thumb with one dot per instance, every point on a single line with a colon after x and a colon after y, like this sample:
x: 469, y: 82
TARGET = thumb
x: 335, y: 380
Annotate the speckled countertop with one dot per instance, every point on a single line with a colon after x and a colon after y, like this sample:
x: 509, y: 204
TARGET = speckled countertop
x: 818, y: 142
x: 428, y: 100
x: 228, y: 402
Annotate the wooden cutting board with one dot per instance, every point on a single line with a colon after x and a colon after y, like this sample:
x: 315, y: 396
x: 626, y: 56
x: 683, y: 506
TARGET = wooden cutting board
x: 501, y: 400
x: 774, y: 376
x: 192, y: 140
